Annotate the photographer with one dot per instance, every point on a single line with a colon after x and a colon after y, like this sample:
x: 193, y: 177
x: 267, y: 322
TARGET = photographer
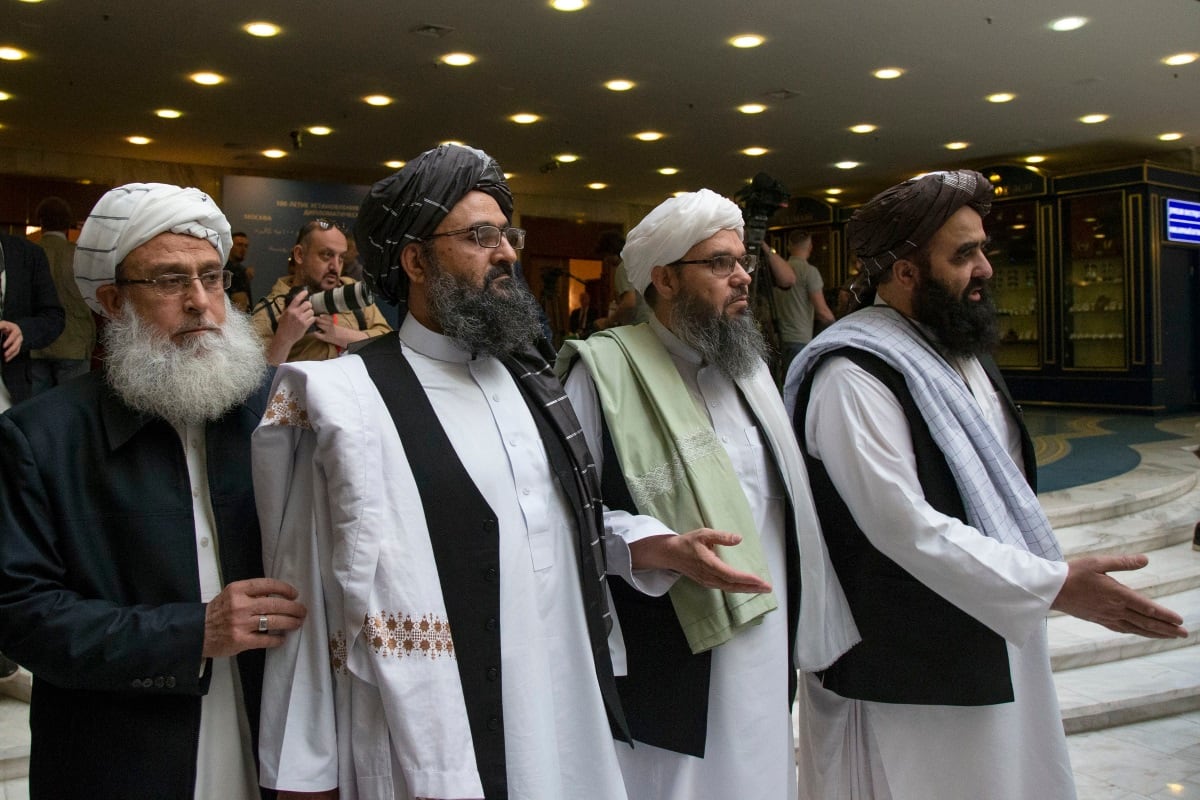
x: 290, y: 327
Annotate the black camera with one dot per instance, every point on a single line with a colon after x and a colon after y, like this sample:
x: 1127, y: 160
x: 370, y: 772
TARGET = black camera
x: 345, y: 299
x: 759, y: 201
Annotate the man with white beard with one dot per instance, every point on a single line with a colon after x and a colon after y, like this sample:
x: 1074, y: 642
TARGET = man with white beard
x: 130, y: 565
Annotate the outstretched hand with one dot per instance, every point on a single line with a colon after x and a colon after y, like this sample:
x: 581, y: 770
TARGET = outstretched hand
x: 692, y: 554
x: 1089, y: 593
x: 231, y: 618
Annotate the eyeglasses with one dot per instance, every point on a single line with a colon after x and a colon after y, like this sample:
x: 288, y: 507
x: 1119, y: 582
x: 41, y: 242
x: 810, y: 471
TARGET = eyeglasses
x: 314, y: 224
x: 487, y: 235
x: 722, y: 266
x: 173, y: 285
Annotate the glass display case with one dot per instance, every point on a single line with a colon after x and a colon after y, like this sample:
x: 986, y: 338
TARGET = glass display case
x: 1013, y: 252
x: 1095, y: 325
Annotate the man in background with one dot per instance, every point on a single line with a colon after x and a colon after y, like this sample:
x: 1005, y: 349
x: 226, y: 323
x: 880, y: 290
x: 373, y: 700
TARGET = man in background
x: 285, y: 320
x: 797, y: 307
x: 30, y: 315
x: 239, y: 291
x: 71, y: 353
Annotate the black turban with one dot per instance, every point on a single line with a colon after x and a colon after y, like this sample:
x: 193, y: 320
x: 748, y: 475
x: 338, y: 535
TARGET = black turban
x: 900, y: 220
x: 410, y: 204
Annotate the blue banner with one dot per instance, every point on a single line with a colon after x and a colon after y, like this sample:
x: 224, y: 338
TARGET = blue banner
x: 1183, y: 221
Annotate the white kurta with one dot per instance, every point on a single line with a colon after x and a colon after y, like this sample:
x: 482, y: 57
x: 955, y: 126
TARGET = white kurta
x: 856, y: 749
x: 558, y: 743
x: 749, y: 748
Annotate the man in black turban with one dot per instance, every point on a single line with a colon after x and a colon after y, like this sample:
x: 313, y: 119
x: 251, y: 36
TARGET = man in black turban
x: 925, y: 482
x: 434, y: 495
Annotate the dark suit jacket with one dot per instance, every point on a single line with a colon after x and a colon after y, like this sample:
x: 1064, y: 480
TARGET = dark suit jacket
x: 32, y: 303
x: 99, y: 588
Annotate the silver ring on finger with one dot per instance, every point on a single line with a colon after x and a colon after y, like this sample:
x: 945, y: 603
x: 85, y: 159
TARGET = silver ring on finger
x: 262, y: 624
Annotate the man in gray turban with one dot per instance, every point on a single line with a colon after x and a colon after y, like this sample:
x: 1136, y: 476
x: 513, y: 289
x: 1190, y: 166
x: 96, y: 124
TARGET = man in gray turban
x: 433, y: 495
x: 130, y: 562
x: 687, y: 426
x: 925, y: 480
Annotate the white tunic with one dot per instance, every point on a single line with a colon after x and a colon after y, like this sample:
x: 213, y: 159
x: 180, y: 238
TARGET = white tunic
x: 749, y: 747
x: 857, y: 749
x: 558, y: 743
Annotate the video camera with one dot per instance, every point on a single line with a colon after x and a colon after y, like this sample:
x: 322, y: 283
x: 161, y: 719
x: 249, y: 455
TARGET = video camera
x: 759, y: 201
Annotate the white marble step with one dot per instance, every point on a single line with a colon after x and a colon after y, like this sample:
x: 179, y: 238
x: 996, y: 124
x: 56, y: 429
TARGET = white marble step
x: 14, y: 739
x: 1077, y: 643
x: 1130, y: 690
x: 1140, y: 531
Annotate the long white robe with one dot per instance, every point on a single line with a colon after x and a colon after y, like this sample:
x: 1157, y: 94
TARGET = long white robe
x: 749, y: 751
x: 855, y: 749
x: 349, y: 489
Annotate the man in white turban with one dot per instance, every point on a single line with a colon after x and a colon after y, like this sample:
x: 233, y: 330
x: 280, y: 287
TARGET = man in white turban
x: 130, y: 565
x: 686, y: 425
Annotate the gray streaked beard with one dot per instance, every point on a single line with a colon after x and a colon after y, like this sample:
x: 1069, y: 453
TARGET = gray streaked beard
x: 193, y: 383
x: 486, y: 323
x: 734, y: 345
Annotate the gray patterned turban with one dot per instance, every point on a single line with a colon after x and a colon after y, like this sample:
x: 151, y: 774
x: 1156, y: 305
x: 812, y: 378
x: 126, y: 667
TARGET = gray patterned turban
x: 127, y: 217
x: 899, y: 221
x: 410, y: 204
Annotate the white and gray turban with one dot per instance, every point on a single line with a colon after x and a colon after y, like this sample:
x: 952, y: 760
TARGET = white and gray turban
x: 673, y: 228
x: 131, y: 215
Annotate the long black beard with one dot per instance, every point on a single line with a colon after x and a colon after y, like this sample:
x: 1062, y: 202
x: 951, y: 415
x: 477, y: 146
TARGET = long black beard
x: 734, y: 345
x: 963, y: 327
x: 484, y: 321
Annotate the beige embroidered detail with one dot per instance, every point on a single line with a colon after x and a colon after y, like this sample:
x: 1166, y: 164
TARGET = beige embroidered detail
x: 337, y: 653
x: 403, y: 635
x: 284, y: 409
x: 665, y: 477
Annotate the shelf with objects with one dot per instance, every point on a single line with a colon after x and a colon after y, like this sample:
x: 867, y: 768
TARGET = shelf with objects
x: 1118, y: 298
x: 1017, y: 250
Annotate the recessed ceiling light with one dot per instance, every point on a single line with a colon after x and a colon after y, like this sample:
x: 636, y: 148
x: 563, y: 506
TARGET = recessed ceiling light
x: 138, y: 139
x: 508, y: 176
x: 377, y: 100
x: 755, y: 151
x: 619, y: 85
x: 1034, y: 159
x: 394, y: 164
x: 1170, y: 137
x: 207, y: 78
x: 454, y: 142
x: 1068, y: 24
x: 597, y: 185
x: 745, y: 40
x: 263, y: 30
x: 524, y: 119
x: 566, y: 158
x: 168, y: 113
x: 274, y: 153
x: 458, y: 59
x: 832, y: 200
x: 1179, y: 59
x: 833, y: 190
x: 319, y: 130
x: 956, y: 145
x: 752, y: 108
x: 1092, y: 119
x: 888, y: 73
x: 1018, y: 226
x: 1001, y: 97
x: 668, y: 171
x: 12, y: 54
x: 5, y: 96
x: 865, y: 127
x: 568, y: 5
x: 648, y: 136
x: 846, y: 164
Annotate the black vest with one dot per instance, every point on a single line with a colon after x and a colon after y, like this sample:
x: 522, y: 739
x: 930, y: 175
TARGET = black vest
x: 464, y: 533
x: 916, y: 647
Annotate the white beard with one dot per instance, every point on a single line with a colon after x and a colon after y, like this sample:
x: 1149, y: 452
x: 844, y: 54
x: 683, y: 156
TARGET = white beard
x: 193, y: 383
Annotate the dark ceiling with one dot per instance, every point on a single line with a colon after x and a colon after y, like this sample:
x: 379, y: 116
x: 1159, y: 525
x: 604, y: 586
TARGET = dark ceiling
x: 98, y: 70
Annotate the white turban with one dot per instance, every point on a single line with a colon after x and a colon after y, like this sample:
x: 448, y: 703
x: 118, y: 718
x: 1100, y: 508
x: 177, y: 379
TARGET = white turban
x: 673, y: 228
x: 131, y: 215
